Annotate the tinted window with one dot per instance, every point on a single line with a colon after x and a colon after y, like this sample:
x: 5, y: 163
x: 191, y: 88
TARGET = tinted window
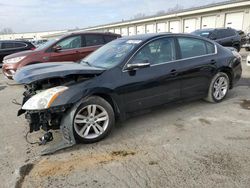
x: 191, y: 47
x: 223, y: 33
x: 94, y: 40
x: 109, y: 38
x: 8, y: 45
x: 70, y: 43
x: 156, y: 52
x: 20, y: 45
x: 210, y: 48
x: 202, y: 33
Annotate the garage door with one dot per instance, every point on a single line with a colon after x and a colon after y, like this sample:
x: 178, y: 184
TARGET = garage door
x: 131, y: 31
x: 161, y: 27
x: 118, y: 31
x: 174, y: 26
x: 234, y: 20
x: 189, y: 25
x: 140, y: 29
x: 150, y: 28
x: 125, y: 31
x: 111, y: 30
x: 208, y: 22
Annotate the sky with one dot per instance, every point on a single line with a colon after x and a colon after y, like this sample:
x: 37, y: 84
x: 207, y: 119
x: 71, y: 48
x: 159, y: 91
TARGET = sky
x: 46, y: 15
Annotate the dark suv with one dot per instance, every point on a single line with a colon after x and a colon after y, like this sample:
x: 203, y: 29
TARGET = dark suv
x: 8, y: 47
x: 225, y: 36
x: 71, y: 47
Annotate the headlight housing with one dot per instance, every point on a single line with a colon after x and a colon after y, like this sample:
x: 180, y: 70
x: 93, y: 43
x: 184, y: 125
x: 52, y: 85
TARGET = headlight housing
x: 13, y: 60
x: 43, y: 100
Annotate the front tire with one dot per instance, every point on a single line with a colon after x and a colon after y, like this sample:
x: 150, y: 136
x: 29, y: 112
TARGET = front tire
x: 93, y: 120
x: 218, y: 88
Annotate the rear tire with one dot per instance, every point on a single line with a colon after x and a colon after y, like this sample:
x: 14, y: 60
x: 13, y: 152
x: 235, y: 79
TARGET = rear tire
x: 218, y: 88
x: 93, y: 120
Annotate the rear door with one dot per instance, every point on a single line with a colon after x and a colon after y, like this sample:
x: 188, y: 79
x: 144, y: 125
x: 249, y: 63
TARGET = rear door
x: 225, y: 37
x: 197, y: 66
x: 70, y: 48
x: 154, y: 85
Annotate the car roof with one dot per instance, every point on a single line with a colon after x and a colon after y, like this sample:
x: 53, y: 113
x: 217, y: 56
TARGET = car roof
x: 15, y: 41
x: 145, y: 37
x: 213, y: 29
x: 90, y: 32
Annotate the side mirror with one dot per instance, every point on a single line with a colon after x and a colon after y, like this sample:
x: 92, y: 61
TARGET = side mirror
x: 138, y: 65
x: 57, y: 48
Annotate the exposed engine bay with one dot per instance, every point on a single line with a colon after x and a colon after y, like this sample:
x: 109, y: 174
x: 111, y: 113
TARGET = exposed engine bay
x: 50, y: 118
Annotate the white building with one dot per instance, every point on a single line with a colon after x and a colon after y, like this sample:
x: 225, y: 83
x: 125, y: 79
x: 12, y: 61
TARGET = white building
x: 235, y: 14
x: 28, y: 36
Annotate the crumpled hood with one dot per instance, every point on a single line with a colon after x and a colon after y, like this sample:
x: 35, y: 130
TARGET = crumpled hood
x: 41, y: 71
x: 19, y: 54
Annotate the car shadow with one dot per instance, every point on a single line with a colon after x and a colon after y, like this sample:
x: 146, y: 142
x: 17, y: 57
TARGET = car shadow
x: 148, y: 122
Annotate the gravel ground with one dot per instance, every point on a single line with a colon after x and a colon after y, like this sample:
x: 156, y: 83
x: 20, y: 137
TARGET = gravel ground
x: 194, y: 144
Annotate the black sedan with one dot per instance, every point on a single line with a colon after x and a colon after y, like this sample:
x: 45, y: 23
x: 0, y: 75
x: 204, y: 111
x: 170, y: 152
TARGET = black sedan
x: 125, y: 76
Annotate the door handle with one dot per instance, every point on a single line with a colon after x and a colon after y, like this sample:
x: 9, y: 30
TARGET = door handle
x: 213, y: 62
x: 173, y: 72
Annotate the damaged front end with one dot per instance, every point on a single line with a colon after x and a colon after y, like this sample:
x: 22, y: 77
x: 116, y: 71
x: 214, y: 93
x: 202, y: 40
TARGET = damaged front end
x: 47, y: 99
x: 39, y: 113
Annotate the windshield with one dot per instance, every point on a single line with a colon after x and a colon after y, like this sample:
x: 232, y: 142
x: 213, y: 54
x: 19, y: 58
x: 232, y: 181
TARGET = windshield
x: 202, y: 33
x: 111, y: 54
x: 46, y: 44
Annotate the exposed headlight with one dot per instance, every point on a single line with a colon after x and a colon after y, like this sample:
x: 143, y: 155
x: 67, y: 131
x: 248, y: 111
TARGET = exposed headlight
x: 43, y: 100
x: 13, y: 60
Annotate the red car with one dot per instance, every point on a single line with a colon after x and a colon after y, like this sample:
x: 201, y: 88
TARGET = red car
x: 71, y: 47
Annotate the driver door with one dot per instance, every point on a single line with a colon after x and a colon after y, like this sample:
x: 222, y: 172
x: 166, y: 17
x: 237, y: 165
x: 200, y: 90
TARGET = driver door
x: 154, y: 85
x: 69, y: 51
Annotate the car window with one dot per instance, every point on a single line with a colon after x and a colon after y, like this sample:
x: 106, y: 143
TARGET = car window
x: 94, y: 40
x: 223, y: 33
x: 109, y: 38
x: 0, y: 45
x: 158, y: 51
x: 191, y: 47
x: 230, y: 33
x: 70, y: 43
x: 20, y: 45
x: 8, y: 45
x: 210, y: 48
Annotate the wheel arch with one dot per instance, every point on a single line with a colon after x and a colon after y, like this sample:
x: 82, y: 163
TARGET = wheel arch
x: 110, y: 99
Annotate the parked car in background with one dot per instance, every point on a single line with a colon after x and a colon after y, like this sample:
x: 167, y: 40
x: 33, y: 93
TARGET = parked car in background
x: 225, y: 36
x: 8, y: 47
x: 125, y: 76
x: 247, y: 45
x: 243, y: 37
x: 72, y: 47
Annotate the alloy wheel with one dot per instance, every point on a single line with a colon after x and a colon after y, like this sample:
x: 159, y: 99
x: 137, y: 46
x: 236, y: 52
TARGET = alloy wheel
x: 91, y: 121
x: 220, y: 88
